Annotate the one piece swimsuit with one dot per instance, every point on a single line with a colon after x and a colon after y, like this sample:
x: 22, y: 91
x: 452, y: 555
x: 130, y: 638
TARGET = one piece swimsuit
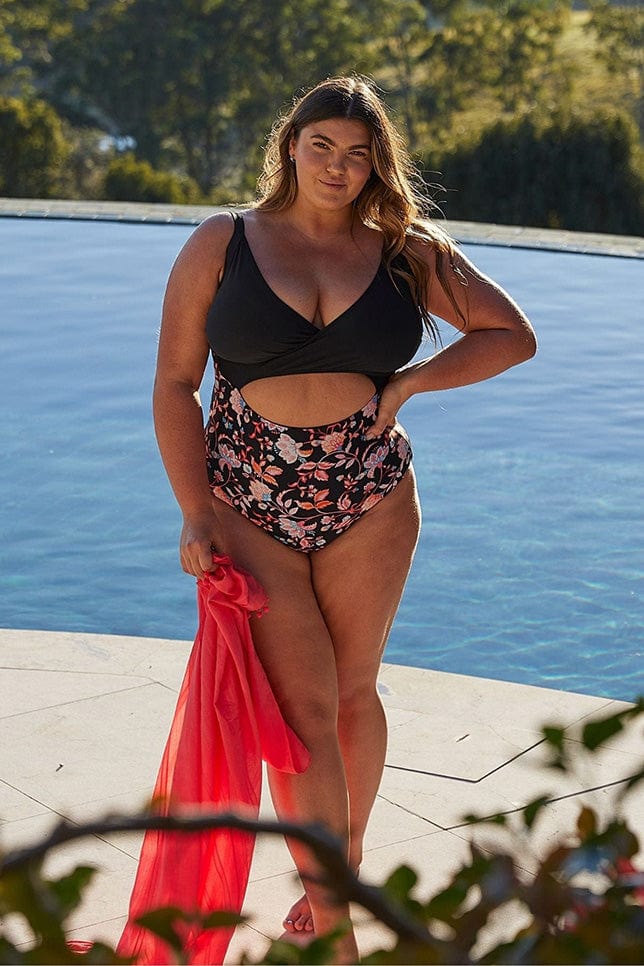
x: 304, y: 485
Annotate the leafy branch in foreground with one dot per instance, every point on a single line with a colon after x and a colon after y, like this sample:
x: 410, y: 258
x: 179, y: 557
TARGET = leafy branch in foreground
x: 583, y: 902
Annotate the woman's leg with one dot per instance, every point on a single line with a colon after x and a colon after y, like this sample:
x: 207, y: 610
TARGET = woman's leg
x: 295, y: 647
x: 358, y: 581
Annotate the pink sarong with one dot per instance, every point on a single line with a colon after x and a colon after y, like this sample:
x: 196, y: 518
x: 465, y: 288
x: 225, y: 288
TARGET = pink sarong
x: 226, y: 720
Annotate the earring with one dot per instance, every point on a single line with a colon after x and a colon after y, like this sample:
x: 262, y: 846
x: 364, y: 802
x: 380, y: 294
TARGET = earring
x: 291, y: 159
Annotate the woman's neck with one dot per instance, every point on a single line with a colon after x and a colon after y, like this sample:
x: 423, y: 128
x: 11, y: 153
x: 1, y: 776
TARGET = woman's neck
x: 316, y: 225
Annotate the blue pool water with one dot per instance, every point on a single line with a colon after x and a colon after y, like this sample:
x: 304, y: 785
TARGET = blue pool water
x: 531, y: 558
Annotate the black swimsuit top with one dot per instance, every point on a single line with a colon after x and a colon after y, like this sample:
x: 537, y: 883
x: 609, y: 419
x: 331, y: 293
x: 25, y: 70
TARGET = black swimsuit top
x: 254, y: 334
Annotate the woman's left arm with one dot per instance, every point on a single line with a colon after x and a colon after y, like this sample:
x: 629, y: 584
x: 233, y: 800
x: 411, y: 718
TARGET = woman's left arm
x: 496, y: 336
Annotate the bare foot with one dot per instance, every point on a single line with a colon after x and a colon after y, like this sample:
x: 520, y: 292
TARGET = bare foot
x: 299, y: 920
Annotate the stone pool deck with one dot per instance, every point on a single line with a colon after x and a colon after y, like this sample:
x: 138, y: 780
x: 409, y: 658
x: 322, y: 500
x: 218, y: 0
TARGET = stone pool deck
x: 84, y: 717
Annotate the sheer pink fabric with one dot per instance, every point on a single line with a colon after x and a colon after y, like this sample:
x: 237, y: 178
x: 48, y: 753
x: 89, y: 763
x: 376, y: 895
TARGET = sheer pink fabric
x: 226, y: 721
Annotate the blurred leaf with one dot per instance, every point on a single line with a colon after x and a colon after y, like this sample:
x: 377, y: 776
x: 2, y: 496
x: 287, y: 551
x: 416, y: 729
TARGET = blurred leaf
x: 586, y: 823
x: 398, y: 887
x: 400, y: 883
x: 595, y: 733
x: 554, y: 736
x: 219, y: 919
x: 161, y: 922
x: 318, y: 952
x: 69, y: 889
x: 446, y: 904
x: 532, y: 809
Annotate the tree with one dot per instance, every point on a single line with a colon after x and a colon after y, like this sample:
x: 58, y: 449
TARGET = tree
x: 564, y: 172
x: 199, y: 82
x: 127, y: 179
x: 32, y: 148
x: 620, y: 33
x: 27, y: 33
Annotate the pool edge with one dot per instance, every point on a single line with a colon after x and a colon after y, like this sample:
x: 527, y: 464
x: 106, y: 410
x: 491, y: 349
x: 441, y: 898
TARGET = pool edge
x: 467, y: 232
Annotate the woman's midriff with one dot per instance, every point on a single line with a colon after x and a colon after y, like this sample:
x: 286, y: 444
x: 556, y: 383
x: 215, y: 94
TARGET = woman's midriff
x: 309, y: 399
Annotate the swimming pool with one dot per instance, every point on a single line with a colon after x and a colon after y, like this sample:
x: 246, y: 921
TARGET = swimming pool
x: 531, y: 558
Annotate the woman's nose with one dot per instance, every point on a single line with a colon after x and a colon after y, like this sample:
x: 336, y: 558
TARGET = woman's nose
x: 336, y: 163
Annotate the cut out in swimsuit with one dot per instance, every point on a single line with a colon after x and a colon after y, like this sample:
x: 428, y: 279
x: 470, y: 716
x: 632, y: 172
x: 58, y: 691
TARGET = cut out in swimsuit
x: 304, y: 486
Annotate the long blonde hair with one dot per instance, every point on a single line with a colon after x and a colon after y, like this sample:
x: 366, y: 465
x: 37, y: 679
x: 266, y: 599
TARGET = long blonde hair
x: 392, y: 201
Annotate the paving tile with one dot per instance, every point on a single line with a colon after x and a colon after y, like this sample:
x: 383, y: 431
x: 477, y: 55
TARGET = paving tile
x: 269, y: 899
x: 127, y: 803
x: 88, y: 749
x: 153, y: 658
x: 16, y: 805
x: 445, y: 801
x: 630, y: 740
x: 466, y: 699
x: 246, y: 940
x: 434, y: 743
x: 447, y: 724
x: 30, y: 690
x: 434, y: 857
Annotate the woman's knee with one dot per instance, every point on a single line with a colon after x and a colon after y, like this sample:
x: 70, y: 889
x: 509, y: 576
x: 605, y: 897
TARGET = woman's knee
x: 358, y: 699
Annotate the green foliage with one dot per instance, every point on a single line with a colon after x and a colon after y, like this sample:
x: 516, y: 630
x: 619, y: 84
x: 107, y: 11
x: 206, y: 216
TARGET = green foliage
x: 44, y: 905
x: 578, y: 173
x: 196, y: 85
x: 33, y: 148
x: 128, y: 179
x: 28, y: 33
x: 507, y: 48
x: 620, y: 35
x: 584, y: 903
x: 202, y: 79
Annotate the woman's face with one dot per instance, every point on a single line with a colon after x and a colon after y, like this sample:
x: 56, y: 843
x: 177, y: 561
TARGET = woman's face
x: 332, y: 161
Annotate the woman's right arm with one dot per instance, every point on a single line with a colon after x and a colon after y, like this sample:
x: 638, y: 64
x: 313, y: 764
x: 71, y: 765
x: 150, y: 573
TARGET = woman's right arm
x: 181, y: 361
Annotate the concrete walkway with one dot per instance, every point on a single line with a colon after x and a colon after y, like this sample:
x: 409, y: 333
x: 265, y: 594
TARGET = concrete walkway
x: 83, y: 721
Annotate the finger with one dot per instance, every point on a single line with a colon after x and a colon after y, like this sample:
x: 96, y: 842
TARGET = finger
x: 196, y: 560
x: 381, y: 424
x: 204, y: 558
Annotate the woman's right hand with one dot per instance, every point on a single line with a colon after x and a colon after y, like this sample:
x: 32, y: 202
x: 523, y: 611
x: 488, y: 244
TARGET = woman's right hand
x: 197, y: 543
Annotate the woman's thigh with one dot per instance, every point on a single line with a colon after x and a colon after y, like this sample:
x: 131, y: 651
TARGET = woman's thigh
x: 291, y: 637
x: 359, y: 579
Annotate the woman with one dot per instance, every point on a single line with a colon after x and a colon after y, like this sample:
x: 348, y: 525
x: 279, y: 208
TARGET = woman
x: 312, y: 304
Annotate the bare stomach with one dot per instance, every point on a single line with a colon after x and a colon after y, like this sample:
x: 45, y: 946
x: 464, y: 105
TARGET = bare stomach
x: 309, y: 399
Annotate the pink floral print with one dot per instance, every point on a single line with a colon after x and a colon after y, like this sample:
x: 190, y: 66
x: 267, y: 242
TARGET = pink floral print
x: 304, y: 486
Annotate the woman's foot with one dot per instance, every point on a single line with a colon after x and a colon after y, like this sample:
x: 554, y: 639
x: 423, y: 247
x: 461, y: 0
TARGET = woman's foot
x: 299, y: 921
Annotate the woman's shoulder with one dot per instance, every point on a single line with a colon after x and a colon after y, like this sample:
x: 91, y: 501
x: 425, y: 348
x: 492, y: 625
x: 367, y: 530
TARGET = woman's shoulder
x: 205, y: 249
x: 215, y: 232
x: 427, y: 240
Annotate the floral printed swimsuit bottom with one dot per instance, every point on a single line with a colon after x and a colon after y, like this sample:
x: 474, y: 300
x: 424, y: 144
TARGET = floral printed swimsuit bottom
x: 304, y: 486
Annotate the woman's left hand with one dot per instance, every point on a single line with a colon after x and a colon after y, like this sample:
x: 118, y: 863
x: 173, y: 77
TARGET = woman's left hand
x: 392, y: 398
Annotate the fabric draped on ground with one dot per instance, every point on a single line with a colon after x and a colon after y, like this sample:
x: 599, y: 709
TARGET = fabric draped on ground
x: 226, y: 720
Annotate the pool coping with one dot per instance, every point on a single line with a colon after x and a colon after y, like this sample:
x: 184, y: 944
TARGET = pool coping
x: 468, y: 232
